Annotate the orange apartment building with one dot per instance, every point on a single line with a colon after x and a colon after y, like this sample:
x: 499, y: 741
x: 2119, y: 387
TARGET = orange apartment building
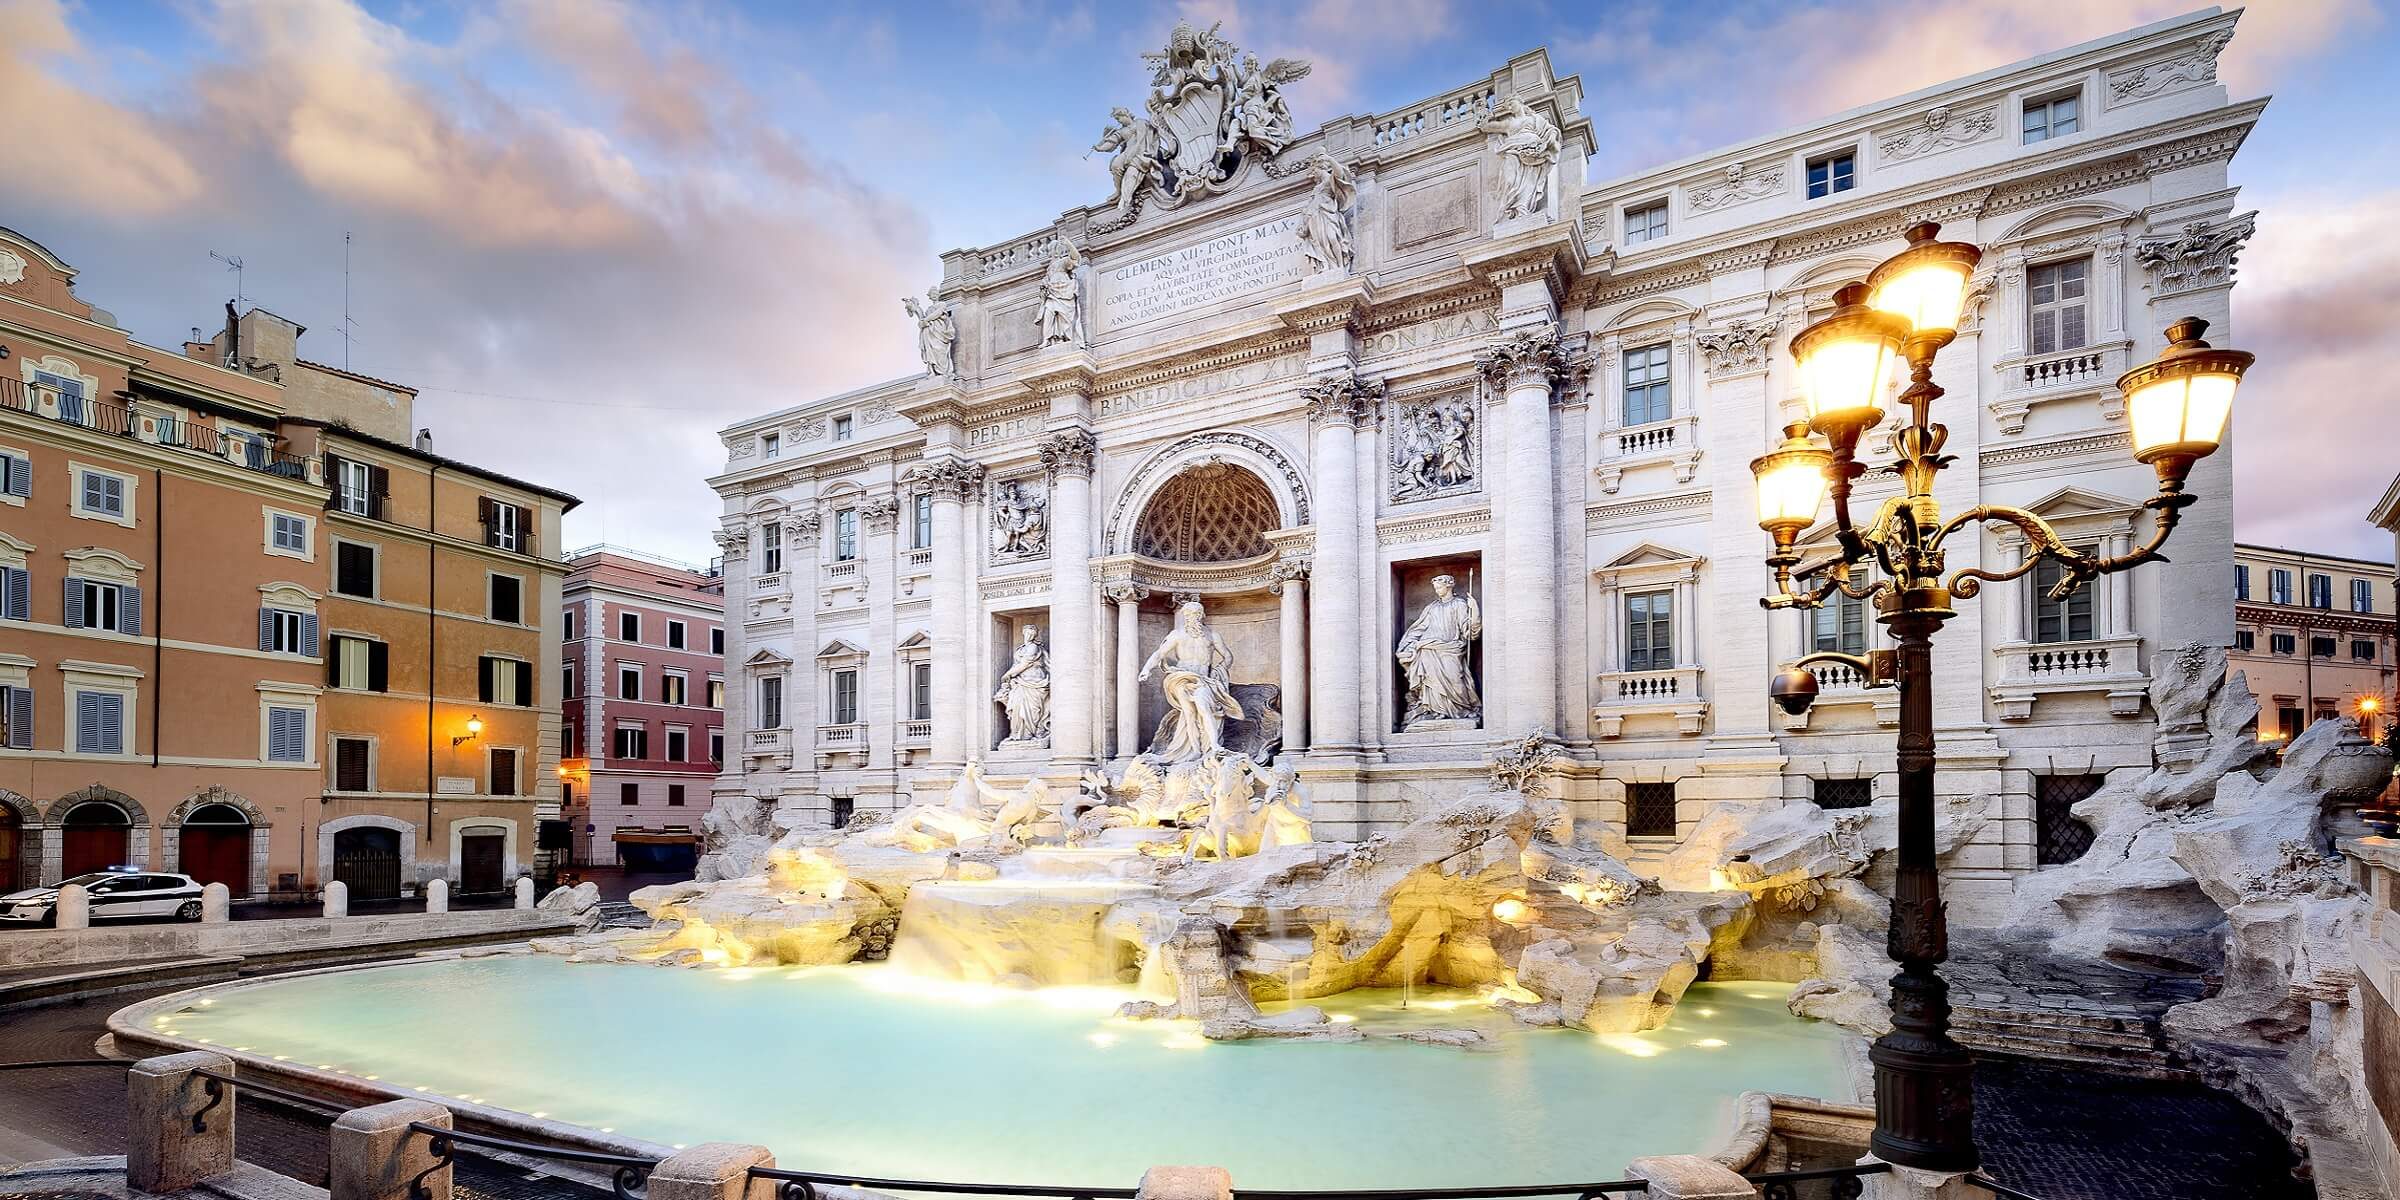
x: 189, y: 678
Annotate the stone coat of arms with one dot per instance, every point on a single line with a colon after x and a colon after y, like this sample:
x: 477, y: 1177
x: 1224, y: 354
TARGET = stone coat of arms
x: 1210, y: 107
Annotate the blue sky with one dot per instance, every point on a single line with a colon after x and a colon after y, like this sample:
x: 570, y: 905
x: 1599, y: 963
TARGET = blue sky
x: 594, y: 232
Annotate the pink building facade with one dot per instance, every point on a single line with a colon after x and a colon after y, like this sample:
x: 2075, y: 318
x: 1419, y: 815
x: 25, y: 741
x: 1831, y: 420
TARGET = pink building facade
x: 644, y: 682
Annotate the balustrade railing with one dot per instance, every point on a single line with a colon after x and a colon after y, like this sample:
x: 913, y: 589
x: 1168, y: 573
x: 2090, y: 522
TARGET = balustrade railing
x: 1469, y: 105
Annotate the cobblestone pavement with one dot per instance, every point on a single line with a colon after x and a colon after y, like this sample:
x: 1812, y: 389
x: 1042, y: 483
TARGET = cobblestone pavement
x: 2066, y: 1134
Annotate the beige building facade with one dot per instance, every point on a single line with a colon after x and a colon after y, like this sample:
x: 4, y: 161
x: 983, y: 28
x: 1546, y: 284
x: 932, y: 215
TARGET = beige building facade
x: 2316, y: 637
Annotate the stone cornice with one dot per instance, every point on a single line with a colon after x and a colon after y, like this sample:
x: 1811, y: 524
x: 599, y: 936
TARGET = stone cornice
x: 1599, y: 516
x: 1550, y: 253
x: 2098, y: 443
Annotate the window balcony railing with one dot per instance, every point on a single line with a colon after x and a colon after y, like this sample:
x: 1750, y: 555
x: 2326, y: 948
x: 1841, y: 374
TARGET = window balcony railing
x: 774, y: 744
x: 916, y: 562
x: 1841, y: 685
x: 115, y: 420
x: 842, y: 737
x: 2027, y: 380
x: 1675, y: 440
x: 2110, y: 667
x: 1673, y: 693
x: 841, y: 570
x: 916, y: 733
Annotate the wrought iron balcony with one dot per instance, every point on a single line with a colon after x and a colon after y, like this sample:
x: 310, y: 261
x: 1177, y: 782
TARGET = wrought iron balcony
x: 248, y: 451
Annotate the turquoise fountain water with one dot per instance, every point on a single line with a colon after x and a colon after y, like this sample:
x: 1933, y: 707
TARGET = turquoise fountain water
x: 864, y: 1069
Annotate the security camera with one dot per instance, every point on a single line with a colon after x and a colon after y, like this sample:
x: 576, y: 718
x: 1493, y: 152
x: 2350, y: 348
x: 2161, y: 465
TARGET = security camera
x: 1794, y: 690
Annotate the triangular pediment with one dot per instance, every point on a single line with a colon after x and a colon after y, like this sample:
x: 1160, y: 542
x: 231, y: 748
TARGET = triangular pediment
x: 841, y: 648
x: 1651, y: 554
x: 766, y: 658
x: 918, y: 640
x: 2077, y: 502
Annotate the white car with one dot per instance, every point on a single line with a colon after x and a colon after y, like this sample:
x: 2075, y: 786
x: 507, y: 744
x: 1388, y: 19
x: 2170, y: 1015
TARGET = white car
x: 115, y: 894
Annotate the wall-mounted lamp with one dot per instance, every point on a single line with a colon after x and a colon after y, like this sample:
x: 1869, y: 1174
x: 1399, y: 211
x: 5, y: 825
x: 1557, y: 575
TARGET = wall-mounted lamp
x: 474, y: 730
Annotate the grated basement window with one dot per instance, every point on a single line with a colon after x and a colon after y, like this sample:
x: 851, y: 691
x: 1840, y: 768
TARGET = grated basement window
x: 1650, y: 810
x: 2058, y: 836
x: 1845, y: 793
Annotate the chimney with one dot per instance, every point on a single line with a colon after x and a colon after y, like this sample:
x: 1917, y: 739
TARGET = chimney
x: 424, y: 441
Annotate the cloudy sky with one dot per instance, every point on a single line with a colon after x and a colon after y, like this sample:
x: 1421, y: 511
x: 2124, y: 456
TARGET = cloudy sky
x: 592, y: 233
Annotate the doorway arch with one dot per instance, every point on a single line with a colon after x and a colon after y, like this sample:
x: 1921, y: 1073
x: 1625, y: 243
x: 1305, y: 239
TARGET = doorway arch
x: 213, y: 846
x: 94, y: 836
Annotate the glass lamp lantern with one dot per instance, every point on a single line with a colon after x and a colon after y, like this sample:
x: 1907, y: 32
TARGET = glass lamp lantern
x: 2177, y: 403
x: 1791, y: 485
x: 1843, y: 360
x: 1926, y: 284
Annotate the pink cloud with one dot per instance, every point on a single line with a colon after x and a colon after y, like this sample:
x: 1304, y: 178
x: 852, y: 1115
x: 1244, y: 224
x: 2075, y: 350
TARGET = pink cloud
x: 74, y: 148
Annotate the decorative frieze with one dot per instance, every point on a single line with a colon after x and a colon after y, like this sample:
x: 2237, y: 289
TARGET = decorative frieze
x: 1434, y: 526
x: 1941, y: 128
x: 2192, y: 65
x: 2203, y: 256
x: 1020, y: 517
x: 1738, y: 184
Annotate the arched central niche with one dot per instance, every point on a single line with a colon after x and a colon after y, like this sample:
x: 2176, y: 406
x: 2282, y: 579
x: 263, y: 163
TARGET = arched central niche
x: 1208, y: 512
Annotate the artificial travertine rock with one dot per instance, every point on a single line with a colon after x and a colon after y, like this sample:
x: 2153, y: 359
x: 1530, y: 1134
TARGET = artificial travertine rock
x: 580, y: 903
x: 1853, y: 978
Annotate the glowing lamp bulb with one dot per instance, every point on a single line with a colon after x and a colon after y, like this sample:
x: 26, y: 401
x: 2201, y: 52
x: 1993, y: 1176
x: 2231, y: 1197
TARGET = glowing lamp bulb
x: 1509, y: 910
x: 1791, y: 482
x: 474, y: 724
x: 1926, y: 284
x: 2177, y: 403
x: 1843, y: 360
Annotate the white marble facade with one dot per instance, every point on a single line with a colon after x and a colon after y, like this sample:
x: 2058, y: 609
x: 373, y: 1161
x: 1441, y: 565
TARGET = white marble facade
x: 1553, y: 403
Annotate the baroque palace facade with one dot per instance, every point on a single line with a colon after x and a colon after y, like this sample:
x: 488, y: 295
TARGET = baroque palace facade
x: 1296, y: 377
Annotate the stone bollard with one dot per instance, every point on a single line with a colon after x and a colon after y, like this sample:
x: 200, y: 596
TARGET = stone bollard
x: 437, y: 895
x: 216, y: 904
x: 74, y: 909
x: 375, y: 1155
x: 1689, y: 1177
x: 524, y: 893
x: 162, y: 1095
x: 713, y: 1171
x: 337, y: 898
x: 1186, y: 1183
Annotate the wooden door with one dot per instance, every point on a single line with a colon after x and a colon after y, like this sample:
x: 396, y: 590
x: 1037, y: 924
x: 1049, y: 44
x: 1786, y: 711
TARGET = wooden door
x: 12, y: 849
x: 479, y: 862
x: 217, y: 854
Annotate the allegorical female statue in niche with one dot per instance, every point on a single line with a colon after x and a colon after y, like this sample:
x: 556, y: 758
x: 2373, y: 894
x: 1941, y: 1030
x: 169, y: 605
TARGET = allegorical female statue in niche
x: 1024, y: 694
x: 1199, y: 693
x: 1433, y: 655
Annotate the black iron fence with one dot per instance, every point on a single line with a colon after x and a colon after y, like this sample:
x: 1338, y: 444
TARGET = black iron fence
x: 250, y: 451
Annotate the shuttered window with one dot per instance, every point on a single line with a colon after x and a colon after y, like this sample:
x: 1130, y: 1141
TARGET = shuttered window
x: 100, y: 495
x: 287, y: 734
x: 16, y: 718
x: 507, y: 526
x: 99, y: 723
x: 504, y: 680
x: 16, y: 476
x: 91, y: 604
x: 359, y: 665
x: 287, y: 534
x: 353, y: 765
x: 504, y: 772
x: 354, y: 569
x: 16, y: 594
x: 285, y: 631
x: 673, y: 688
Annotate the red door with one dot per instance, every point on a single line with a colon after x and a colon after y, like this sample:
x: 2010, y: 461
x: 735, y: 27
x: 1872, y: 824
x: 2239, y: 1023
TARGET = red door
x: 12, y: 847
x: 215, y: 847
x: 88, y: 848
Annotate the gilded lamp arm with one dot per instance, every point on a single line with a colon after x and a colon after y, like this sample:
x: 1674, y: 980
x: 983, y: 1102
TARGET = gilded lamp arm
x: 2043, y: 541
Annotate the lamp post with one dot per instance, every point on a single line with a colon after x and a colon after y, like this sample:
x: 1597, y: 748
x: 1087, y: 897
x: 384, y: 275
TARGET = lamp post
x: 1907, y: 311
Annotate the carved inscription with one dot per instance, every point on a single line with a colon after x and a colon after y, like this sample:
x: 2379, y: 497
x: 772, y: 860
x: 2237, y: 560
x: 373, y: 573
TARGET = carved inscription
x: 1200, y: 275
x: 1430, y: 212
x: 1403, y: 338
x: 1201, y: 386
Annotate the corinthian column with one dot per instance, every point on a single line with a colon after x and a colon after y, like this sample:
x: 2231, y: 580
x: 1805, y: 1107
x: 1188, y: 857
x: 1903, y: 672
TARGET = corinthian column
x: 1289, y: 583
x: 1336, y: 405
x: 1522, y: 371
x: 951, y: 481
x: 1074, y: 641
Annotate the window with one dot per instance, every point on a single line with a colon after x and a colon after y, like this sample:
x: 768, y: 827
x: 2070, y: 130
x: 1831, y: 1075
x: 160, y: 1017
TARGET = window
x: 2283, y: 643
x: 111, y: 606
x: 2244, y: 640
x: 674, y: 635
x: 2055, y: 297
x: 1840, y: 626
x: 287, y: 734
x: 2362, y: 596
x: 1649, y: 810
x: 2320, y: 590
x: 770, y: 548
x: 716, y: 640
x: 358, y: 487
x: 629, y: 627
x: 1649, y: 631
x: 1645, y: 224
x: 504, y: 771
x: 2320, y: 647
x: 770, y: 702
x: 567, y: 625
x: 1647, y: 385
x: 920, y: 523
x: 673, y: 688
x: 920, y: 691
x: 354, y: 569
x: 716, y: 693
x: 507, y: 526
x: 679, y: 744
x: 845, y: 535
x: 1832, y: 173
x: 100, y: 494
x: 2325, y: 712
x: 2241, y: 581
x: 716, y: 745
x: 629, y: 793
x: 2056, y: 116
x: 16, y: 476
x: 770, y: 445
x: 508, y: 603
x: 2362, y: 650
x: 504, y: 680
x: 843, y: 807
x: 1845, y: 793
x: 845, y: 697
x: 16, y: 718
x: 842, y: 427
x: 287, y: 535
x: 360, y: 665
x: 674, y: 795
x: 2068, y: 620
x: 629, y: 681
x: 2279, y: 586
x: 566, y: 680
x: 99, y: 723
x: 2287, y: 720
x: 283, y: 631
x: 2058, y: 837
x: 633, y: 741
x: 567, y: 740
x: 69, y: 389
x: 16, y: 594
x: 353, y: 765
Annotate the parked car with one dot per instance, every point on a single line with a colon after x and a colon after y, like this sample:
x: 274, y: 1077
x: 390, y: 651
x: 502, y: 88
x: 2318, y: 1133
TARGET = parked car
x: 117, y: 893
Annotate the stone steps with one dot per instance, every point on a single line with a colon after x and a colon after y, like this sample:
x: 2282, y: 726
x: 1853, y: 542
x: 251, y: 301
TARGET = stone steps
x: 2124, y: 1042
x: 617, y: 914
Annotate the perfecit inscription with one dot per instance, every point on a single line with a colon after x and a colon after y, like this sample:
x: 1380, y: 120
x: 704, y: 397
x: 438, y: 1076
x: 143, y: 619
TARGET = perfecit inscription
x: 1199, y: 275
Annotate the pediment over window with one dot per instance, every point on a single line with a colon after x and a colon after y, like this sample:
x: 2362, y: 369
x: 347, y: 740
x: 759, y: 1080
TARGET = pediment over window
x: 920, y: 640
x: 766, y: 658
x: 2077, y: 502
x: 99, y: 562
x: 1649, y: 563
x: 840, y: 648
x: 1652, y: 554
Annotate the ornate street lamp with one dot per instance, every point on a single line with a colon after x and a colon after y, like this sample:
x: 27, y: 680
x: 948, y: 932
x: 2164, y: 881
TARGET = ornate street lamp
x: 1907, y: 311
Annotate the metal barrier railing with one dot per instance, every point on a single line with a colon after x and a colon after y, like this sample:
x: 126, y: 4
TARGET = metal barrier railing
x: 629, y: 1175
x: 1846, y: 1182
x: 216, y: 1087
x: 2000, y: 1189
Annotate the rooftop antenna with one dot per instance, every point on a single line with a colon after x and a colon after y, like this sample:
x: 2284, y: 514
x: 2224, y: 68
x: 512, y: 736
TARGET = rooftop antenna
x: 233, y: 263
x: 347, y: 323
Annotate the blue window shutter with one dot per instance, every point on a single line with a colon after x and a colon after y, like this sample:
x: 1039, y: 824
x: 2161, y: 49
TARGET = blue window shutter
x: 112, y: 724
x: 20, y: 476
x: 87, y: 722
x: 308, y: 634
x: 16, y: 593
x: 74, y: 603
x: 20, y: 718
x: 266, y: 629
x: 129, y: 611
